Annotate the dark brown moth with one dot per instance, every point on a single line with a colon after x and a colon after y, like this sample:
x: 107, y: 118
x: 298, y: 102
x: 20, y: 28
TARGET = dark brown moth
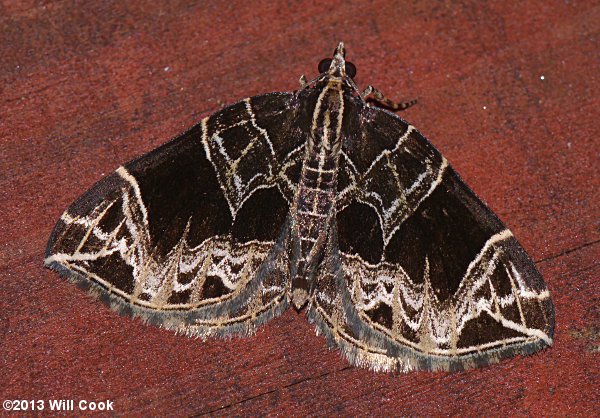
x: 319, y: 200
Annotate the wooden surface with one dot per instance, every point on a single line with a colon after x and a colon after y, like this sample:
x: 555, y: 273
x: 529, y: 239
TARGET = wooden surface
x: 508, y: 92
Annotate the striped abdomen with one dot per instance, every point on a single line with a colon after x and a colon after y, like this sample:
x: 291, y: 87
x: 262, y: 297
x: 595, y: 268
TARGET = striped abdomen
x: 316, y: 194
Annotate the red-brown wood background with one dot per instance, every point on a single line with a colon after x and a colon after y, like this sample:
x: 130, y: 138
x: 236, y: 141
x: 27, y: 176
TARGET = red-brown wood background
x: 508, y: 91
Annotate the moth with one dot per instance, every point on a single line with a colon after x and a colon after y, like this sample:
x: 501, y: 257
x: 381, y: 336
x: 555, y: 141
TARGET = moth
x: 320, y: 199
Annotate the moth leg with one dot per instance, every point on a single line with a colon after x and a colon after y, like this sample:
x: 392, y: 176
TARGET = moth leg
x: 303, y: 81
x: 377, y: 96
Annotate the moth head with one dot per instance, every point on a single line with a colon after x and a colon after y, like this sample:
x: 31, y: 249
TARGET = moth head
x: 338, y: 66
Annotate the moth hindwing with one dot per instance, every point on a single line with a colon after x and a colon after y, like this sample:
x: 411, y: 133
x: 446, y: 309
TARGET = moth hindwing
x: 318, y: 200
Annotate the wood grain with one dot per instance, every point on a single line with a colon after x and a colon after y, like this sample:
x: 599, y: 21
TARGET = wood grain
x: 508, y: 92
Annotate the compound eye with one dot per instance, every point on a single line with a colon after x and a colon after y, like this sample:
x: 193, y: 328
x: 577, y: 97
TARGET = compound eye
x: 324, y: 65
x: 350, y: 69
